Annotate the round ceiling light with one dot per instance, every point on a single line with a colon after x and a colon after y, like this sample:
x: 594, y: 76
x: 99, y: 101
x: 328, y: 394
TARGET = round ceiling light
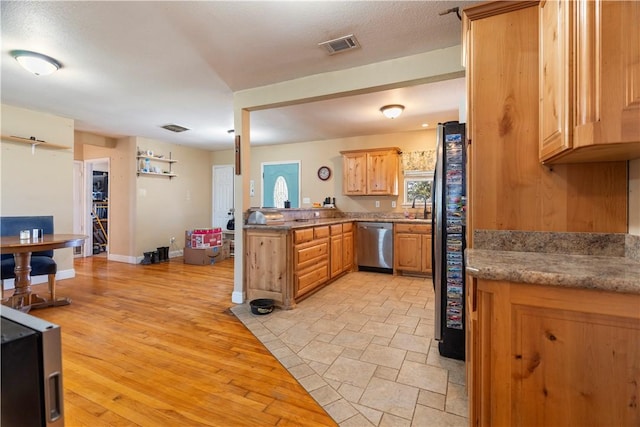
x: 36, y: 63
x: 392, y: 111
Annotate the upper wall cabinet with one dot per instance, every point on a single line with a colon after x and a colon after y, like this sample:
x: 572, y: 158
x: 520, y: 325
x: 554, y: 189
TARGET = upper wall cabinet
x: 370, y: 172
x: 589, y: 81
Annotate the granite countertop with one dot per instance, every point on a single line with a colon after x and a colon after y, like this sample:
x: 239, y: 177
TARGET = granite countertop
x: 606, y: 268
x: 303, y: 223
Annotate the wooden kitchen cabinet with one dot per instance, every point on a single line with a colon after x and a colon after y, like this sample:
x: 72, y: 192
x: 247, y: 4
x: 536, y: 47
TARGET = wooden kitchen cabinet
x: 266, y: 265
x: 288, y: 265
x: 412, y: 248
x: 589, y: 86
x: 347, y: 246
x: 551, y: 355
x: 507, y: 186
x: 310, y: 259
x: 370, y: 172
x: 341, y: 248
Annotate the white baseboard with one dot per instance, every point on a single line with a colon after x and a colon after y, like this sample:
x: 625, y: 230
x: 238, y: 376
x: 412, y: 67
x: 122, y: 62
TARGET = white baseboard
x: 124, y: 258
x: 37, y: 280
x: 138, y: 259
x: 237, y: 297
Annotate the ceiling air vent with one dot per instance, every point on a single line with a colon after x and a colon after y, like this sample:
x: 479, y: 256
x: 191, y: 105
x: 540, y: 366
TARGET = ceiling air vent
x: 174, y: 128
x: 340, y: 44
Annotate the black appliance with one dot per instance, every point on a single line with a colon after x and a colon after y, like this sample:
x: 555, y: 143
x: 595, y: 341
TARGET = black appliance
x: 31, y: 383
x: 448, y: 239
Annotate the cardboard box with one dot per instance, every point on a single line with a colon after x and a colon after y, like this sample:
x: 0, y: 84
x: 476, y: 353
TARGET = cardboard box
x: 195, y: 256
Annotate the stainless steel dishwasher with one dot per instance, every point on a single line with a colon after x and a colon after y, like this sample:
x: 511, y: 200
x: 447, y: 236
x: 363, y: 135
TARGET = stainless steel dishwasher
x: 375, y: 246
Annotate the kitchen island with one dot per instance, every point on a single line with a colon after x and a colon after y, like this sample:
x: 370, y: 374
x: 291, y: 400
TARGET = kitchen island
x: 289, y: 260
x: 553, y: 337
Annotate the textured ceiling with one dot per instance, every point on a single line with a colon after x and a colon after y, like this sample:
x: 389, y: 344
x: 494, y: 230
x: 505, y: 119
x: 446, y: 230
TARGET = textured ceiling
x: 131, y: 67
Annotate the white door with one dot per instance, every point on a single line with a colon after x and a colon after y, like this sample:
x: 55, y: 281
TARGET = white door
x: 222, y: 197
x: 79, y: 226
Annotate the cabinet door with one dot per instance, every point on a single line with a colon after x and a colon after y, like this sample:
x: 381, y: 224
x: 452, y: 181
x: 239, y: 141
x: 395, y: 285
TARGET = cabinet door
x: 426, y: 253
x: 336, y: 255
x: 555, y: 96
x: 408, y: 252
x: 607, y: 70
x: 347, y: 251
x: 382, y: 173
x: 266, y: 265
x: 354, y: 175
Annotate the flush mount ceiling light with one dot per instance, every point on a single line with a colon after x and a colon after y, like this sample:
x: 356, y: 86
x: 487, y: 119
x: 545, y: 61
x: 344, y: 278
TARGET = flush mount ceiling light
x: 392, y: 111
x: 36, y: 63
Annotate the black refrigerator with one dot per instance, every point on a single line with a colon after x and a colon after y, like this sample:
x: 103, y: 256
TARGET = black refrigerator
x: 448, y: 239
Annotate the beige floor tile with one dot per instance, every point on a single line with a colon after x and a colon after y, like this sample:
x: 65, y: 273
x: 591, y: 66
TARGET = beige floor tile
x: 350, y: 392
x: 325, y: 326
x: 387, y: 373
x: 424, y: 376
x: 411, y: 342
x: 457, y: 400
x: 372, y: 415
x: 384, y: 356
x: 431, y: 399
x: 379, y: 329
x: 325, y: 395
x: 350, y: 371
x: 352, y: 339
x: 341, y: 410
x: 321, y: 352
x: 363, y: 347
x: 390, y: 397
x: 389, y: 420
x: 425, y: 416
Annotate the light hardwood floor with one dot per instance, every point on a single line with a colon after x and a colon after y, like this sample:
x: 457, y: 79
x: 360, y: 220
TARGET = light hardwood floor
x: 157, y: 345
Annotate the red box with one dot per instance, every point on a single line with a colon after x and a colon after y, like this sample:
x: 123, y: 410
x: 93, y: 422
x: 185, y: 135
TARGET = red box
x: 204, y: 238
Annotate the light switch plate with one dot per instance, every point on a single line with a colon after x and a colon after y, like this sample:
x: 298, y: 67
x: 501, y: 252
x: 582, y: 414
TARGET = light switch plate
x: 377, y: 203
x: 393, y: 204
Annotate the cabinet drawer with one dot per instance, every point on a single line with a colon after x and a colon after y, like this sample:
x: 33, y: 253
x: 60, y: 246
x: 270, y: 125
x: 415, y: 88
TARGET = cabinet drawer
x: 336, y: 229
x: 305, y: 235
x: 412, y: 228
x: 310, y: 252
x: 347, y: 226
x: 320, y: 232
x: 311, y: 278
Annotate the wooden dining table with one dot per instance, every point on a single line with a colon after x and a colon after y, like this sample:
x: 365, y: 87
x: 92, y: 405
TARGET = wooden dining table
x: 23, y: 299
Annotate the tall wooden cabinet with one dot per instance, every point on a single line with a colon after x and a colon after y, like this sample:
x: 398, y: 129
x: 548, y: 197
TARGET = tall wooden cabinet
x: 370, y: 172
x: 508, y: 187
x: 589, y: 80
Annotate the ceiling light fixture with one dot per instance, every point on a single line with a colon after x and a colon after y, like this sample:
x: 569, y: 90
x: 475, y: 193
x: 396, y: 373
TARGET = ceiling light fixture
x: 392, y: 111
x: 36, y: 63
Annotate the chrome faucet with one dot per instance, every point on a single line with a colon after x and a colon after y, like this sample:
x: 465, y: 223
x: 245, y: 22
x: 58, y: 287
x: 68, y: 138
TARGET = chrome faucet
x: 413, y: 205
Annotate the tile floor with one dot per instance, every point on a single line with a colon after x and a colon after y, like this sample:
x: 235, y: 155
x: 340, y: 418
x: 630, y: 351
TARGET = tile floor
x: 363, y: 348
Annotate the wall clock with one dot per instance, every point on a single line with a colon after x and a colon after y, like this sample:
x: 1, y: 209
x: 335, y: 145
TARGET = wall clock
x: 324, y: 173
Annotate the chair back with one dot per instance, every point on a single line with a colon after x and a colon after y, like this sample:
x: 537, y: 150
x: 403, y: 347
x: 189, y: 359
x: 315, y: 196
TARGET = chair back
x: 11, y: 226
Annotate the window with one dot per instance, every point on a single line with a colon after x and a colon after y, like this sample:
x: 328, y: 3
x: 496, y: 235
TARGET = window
x: 280, y: 192
x: 417, y: 186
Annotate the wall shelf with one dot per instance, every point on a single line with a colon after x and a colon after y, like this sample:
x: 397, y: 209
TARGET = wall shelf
x: 34, y: 142
x: 155, y: 159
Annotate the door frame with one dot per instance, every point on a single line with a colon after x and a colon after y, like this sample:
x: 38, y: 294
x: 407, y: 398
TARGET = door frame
x: 213, y: 190
x: 88, y: 203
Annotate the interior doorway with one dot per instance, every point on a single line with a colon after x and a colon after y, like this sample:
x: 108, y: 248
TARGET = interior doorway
x: 96, y: 206
x: 222, y: 197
